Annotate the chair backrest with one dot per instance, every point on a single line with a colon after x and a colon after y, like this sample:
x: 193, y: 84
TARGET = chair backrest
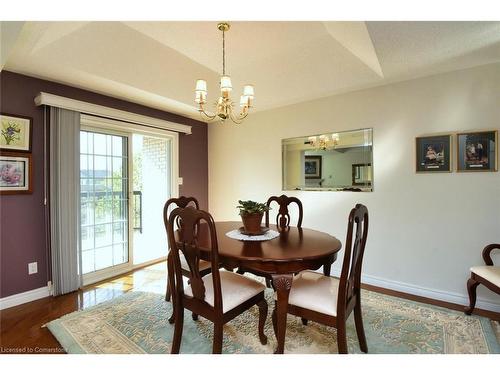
x: 182, y: 202
x: 350, y: 277
x: 283, y: 216
x: 185, y: 239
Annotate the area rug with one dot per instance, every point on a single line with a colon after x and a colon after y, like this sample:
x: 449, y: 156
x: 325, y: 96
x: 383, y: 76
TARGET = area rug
x: 137, y: 322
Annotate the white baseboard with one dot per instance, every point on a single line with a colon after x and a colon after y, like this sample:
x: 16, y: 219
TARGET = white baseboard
x: 19, y: 299
x: 429, y: 293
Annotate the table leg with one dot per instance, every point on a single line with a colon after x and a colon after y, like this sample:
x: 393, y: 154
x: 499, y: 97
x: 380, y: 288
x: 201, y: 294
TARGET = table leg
x: 282, y: 285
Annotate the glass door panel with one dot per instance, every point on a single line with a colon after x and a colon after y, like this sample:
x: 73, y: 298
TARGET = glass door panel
x: 151, y: 189
x: 104, y: 200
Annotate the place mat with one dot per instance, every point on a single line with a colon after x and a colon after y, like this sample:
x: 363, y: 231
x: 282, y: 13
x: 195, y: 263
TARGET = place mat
x: 237, y: 235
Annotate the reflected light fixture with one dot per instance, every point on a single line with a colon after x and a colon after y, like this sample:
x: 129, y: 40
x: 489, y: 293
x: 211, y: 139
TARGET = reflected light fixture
x: 224, y: 104
x: 324, y: 142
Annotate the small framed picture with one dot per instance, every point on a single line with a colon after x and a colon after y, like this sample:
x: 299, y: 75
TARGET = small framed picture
x: 15, y: 132
x: 312, y: 166
x: 15, y: 173
x: 477, y: 151
x: 433, y: 153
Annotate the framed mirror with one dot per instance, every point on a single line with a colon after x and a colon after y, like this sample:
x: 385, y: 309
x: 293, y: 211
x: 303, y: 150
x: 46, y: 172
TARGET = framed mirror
x: 339, y: 161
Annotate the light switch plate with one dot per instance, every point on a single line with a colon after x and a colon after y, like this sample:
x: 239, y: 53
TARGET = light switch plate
x: 32, y: 268
x: 180, y: 180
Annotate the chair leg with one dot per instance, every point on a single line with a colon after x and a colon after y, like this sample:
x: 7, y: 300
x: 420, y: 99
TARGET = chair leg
x: 471, y: 289
x: 217, y: 345
x: 326, y: 269
x: 275, y: 322
x: 179, y: 323
x: 168, y: 293
x: 341, y: 337
x: 358, y: 319
x: 304, y: 321
x: 262, y: 320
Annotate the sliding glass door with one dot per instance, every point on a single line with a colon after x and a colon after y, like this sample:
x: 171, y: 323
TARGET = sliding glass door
x: 125, y: 178
x: 104, y: 201
x: 151, y: 186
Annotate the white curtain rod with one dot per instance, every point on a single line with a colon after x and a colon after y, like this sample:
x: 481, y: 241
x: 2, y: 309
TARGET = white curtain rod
x: 52, y: 100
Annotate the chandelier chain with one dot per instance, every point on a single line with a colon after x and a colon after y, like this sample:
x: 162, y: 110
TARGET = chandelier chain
x: 223, y: 52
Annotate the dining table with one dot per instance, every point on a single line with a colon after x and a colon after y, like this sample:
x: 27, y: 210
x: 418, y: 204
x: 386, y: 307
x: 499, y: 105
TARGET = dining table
x: 293, y: 250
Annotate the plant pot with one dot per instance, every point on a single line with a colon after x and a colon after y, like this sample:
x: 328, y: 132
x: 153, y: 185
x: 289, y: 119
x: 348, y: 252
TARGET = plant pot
x: 252, y: 222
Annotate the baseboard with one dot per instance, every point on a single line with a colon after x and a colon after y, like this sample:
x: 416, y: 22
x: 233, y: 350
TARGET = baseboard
x: 19, y: 299
x: 428, y: 293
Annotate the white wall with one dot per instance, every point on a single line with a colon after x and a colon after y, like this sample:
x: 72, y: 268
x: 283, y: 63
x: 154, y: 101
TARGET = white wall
x: 426, y: 230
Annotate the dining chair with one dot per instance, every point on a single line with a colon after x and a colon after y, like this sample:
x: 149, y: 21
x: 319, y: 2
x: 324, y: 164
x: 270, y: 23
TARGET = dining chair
x: 488, y: 275
x: 283, y: 218
x: 283, y: 215
x: 329, y: 300
x: 183, y: 202
x: 219, y: 296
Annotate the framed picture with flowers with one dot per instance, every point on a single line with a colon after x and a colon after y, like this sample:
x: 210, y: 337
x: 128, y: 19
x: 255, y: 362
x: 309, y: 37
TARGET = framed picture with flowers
x: 15, y: 132
x: 15, y: 173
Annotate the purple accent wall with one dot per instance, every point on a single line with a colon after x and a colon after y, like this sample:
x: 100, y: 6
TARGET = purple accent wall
x: 22, y: 217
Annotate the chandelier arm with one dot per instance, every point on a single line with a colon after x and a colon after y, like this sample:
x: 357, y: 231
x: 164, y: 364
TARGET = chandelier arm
x: 238, y: 119
x: 202, y: 110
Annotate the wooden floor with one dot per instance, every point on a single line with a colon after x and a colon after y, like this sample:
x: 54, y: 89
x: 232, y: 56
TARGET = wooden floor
x: 21, y: 328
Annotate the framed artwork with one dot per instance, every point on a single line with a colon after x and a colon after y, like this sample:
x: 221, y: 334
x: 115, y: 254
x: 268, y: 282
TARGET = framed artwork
x: 433, y: 153
x: 312, y: 166
x: 15, y: 132
x: 477, y: 151
x: 15, y: 173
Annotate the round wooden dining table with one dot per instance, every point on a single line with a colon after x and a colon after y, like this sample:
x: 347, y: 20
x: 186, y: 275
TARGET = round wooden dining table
x: 294, y: 250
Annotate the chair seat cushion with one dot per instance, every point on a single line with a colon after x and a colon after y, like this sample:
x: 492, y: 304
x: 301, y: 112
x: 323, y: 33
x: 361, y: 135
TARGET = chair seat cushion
x: 236, y: 289
x: 316, y: 292
x: 490, y: 273
x: 184, y: 264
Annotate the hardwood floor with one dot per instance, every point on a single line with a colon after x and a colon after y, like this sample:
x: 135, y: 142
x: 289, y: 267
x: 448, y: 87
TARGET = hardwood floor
x: 21, y: 328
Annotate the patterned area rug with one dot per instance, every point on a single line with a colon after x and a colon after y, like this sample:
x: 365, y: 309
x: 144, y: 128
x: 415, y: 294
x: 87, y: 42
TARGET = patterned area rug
x: 137, y: 322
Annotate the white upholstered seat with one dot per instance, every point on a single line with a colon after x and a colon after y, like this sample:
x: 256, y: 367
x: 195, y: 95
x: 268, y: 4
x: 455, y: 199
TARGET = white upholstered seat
x: 184, y: 264
x: 314, y: 291
x: 236, y: 289
x: 490, y: 273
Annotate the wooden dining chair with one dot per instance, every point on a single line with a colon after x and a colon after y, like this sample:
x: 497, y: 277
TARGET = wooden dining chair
x: 219, y: 296
x: 283, y: 215
x: 328, y: 300
x: 283, y: 218
x: 183, y: 202
x: 488, y: 275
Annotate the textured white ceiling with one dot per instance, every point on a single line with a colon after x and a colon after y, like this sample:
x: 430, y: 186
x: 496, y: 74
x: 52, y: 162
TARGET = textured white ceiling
x: 157, y: 63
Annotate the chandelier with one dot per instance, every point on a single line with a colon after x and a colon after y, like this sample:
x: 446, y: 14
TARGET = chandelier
x: 224, y: 104
x: 324, y: 142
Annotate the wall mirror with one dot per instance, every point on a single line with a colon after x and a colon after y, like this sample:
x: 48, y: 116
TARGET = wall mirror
x: 332, y: 161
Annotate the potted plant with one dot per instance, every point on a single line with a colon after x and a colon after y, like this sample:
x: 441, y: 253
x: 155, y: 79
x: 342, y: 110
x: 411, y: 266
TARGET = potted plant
x: 251, y: 214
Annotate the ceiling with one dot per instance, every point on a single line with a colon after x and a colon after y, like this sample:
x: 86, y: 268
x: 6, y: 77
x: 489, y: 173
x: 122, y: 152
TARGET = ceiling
x: 157, y: 63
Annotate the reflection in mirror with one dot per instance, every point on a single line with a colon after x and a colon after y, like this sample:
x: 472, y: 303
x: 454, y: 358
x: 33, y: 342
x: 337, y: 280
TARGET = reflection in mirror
x: 340, y: 161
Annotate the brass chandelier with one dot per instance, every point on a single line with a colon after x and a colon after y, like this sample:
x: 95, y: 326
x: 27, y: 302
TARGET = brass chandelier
x: 224, y: 104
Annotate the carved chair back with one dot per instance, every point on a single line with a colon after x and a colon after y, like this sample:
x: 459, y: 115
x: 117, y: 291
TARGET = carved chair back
x: 283, y: 216
x: 189, y: 222
x: 350, y: 277
x: 182, y: 202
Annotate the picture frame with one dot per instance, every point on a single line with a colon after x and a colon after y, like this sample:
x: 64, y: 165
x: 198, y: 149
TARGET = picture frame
x: 16, y: 171
x: 15, y: 132
x: 477, y: 151
x: 433, y: 153
x: 312, y: 166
